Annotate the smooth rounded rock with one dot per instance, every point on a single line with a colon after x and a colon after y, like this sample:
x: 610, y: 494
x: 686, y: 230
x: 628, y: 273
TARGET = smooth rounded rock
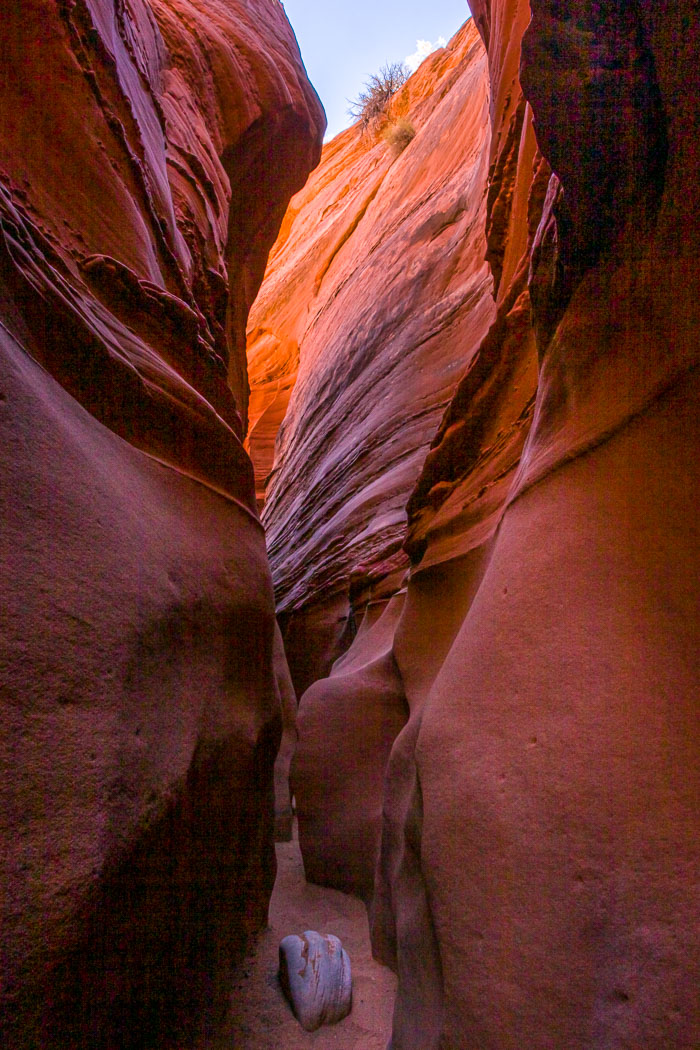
x: 316, y: 978
x: 139, y: 707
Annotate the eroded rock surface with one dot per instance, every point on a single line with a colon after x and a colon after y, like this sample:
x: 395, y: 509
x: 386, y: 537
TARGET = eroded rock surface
x: 538, y: 868
x: 347, y: 724
x: 553, y: 832
x: 375, y: 284
x: 140, y: 711
x: 349, y: 721
x: 316, y: 977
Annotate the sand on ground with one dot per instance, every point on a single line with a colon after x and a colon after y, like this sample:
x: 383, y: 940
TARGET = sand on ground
x: 261, y: 1018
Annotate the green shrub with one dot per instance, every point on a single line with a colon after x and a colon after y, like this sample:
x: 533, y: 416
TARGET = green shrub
x: 398, y: 134
x: 371, y: 104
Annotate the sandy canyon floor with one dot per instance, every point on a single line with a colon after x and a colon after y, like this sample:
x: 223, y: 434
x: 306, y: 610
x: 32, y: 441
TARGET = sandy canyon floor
x: 261, y: 1018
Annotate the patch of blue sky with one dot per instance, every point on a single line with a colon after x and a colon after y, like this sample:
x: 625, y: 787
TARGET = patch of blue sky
x: 343, y: 44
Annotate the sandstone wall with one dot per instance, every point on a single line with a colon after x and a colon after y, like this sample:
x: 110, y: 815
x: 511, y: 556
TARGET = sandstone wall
x: 553, y: 770
x: 140, y: 706
x: 538, y: 871
x: 375, y: 284
x: 347, y: 722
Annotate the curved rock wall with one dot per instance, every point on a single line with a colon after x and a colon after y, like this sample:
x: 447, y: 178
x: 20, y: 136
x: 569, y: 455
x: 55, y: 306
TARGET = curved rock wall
x: 140, y: 708
x: 349, y: 720
x: 376, y: 283
x: 536, y: 882
x: 553, y: 830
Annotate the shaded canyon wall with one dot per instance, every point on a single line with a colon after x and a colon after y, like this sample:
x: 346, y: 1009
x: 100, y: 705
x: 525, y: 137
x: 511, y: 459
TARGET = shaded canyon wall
x: 148, y: 151
x: 508, y: 751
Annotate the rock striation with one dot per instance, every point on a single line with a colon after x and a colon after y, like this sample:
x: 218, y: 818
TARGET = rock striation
x: 375, y: 283
x: 538, y: 860
x: 140, y: 706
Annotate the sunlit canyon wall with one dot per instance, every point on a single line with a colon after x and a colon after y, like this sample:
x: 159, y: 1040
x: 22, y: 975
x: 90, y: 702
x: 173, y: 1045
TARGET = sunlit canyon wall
x: 356, y: 343
x: 148, y: 150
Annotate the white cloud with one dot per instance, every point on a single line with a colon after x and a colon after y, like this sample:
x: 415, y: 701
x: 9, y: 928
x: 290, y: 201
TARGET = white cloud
x: 423, y: 49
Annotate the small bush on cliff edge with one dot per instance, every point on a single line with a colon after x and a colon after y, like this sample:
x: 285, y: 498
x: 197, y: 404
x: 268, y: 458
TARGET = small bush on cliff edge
x: 371, y: 104
x: 398, y: 134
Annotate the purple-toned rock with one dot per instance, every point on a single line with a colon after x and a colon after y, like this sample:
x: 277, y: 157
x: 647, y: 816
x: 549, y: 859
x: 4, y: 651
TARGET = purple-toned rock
x: 141, y: 693
x: 316, y: 977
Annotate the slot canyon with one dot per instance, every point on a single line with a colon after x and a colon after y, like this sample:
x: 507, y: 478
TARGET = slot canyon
x: 349, y: 504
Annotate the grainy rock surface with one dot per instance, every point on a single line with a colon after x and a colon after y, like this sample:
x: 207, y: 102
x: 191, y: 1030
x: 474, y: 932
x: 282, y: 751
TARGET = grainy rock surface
x: 288, y: 703
x: 533, y: 817
x: 538, y: 869
x: 316, y: 977
x: 347, y: 724
x: 374, y: 287
x: 349, y: 721
x: 140, y: 712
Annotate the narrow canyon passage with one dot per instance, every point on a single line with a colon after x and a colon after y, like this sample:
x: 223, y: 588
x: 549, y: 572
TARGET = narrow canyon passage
x: 387, y: 449
x: 472, y: 414
x: 261, y: 1018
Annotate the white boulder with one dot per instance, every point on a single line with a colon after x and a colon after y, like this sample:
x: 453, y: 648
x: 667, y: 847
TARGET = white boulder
x: 315, y: 975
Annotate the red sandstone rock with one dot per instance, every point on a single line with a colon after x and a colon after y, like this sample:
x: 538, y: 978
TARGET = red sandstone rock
x: 339, y: 789
x: 284, y: 815
x: 457, y: 502
x: 374, y: 287
x: 140, y: 713
x: 545, y: 798
x: 538, y: 872
x: 486, y: 424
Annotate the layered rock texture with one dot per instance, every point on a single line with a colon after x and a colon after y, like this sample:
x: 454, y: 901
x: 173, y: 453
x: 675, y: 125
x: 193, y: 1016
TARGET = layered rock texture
x: 375, y: 284
x: 141, y: 711
x: 477, y: 361
x: 520, y: 714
